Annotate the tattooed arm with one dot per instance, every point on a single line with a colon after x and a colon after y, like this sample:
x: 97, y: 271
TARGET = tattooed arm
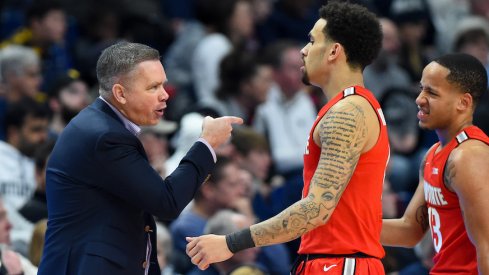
x: 342, y: 135
x: 350, y: 128
x: 411, y: 227
x: 466, y: 174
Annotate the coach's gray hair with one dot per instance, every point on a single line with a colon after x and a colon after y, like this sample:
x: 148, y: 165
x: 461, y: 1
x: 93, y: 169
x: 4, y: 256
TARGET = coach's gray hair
x: 118, y: 60
x: 14, y: 60
x: 222, y: 223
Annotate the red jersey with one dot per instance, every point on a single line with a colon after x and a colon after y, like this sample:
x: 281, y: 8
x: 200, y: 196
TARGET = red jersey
x: 455, y: 253
x: 356, y: 222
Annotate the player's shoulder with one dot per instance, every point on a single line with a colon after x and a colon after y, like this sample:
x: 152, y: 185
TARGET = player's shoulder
x: 355, y: 101
x: 470, y: 150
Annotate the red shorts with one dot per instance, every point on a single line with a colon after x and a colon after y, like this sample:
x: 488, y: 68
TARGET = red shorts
x: 341, y: 266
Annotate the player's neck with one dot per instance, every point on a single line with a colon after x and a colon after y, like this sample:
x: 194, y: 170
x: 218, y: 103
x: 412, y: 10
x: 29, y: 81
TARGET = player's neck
x: 447, y: 134
x: 340, y: 81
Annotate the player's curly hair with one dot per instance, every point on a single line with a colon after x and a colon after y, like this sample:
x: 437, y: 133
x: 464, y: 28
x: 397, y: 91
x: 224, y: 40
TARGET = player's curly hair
x: 355, y: 28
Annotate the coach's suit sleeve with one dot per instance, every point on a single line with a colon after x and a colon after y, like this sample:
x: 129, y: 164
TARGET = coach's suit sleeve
x: 128, y: 175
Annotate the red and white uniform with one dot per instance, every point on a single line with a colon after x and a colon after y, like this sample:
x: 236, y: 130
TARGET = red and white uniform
x: 355, y: 225
x: 455, y: 253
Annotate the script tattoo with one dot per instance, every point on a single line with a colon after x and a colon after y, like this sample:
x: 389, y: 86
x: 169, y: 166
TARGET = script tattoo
x: 422, y: 217
x: 449, y: 173
x: 342, y: 134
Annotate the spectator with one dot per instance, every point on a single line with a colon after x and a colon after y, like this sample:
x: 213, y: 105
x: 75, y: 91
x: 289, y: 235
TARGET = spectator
x: 252, y: 153
x: 384, y: 73
x: 229, y: 24
x: 414, y: 22
x: 26, y: 128
x: 244, y: 85
x: 66, y: 99
x: 472, y: 37
x: 222, y: 190
x: 13, y: 262
x: 286, y: 116
x: 164, y: 247
x: 44, y: 32
x: 36, y: 207
x: 225, y: 222
x: 289, y: 19
x: 185, y: 137
x: 20, y: 73
x: 155, y: 143
x: 19, y: 77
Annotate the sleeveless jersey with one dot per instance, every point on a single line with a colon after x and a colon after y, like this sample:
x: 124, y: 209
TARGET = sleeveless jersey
x: 356, y: 222
x: 455, y: 253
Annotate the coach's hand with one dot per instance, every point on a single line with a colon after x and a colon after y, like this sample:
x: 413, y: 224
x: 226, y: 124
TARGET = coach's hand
x: 217, y: 130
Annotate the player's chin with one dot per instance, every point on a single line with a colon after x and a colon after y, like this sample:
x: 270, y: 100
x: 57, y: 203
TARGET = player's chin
x: 425, y: 125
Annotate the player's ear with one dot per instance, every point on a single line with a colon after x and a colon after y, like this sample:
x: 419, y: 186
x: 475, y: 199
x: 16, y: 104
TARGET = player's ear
x: 465, y: 102
x: 335, y: 51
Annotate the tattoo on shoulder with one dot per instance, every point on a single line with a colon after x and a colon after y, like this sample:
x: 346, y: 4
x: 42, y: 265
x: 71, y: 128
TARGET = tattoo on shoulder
x: 449, y: 173
x: 422, y: 217
x: 342, y: 136
x: 421, y: 167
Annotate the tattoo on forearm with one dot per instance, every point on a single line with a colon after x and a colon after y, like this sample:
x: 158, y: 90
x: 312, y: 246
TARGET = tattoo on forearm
x: 342, y: 134
x: 449, y: 173
x: 422, y: 217
x: 289, y: 224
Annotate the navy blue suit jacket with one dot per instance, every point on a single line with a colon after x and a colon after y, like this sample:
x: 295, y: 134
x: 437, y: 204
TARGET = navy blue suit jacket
x: 102, y: 193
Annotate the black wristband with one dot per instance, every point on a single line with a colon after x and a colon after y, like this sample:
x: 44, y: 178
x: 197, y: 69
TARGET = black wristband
x: 240, y: 240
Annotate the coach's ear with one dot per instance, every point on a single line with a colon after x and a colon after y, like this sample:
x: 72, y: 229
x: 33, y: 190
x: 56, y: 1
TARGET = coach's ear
x: 466, y: 101
x: 119, y: 93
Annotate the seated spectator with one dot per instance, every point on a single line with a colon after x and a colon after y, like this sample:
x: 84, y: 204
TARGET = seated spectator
x: 13, y: 262
x: 67, y: 97
x: 155, y: 143
x: 221, y: 191
x: 184, y: 138
x: 415, y: 28
x: 225, y: 222
x: 251, y: 153
x: 44, y: 32
x: 164, y: 247
x: 229, y: 25
x: 244, y: 84
x: 36, y: 208
x: 20, y: 75
x: 472, y: 37
x: 26, y: 127
x: 384, y: 72
x: 287, y: 115
x: 405, y: 137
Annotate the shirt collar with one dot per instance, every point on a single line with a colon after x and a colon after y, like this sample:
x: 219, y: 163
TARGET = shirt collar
x: 129, y: 125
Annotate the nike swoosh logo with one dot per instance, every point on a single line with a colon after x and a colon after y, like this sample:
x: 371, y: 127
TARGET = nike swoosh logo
x: 326, y: 268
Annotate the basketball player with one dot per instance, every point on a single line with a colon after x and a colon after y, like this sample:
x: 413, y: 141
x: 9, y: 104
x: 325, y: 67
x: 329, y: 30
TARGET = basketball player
x: 453, y: 193
x: 339, y: 216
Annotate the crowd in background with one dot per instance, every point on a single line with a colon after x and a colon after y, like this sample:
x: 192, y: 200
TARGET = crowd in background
x: 222, y: 57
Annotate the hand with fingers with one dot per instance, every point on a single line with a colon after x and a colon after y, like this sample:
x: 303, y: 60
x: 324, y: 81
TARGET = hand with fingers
x: 216, y: 131
x: 207, y: 249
